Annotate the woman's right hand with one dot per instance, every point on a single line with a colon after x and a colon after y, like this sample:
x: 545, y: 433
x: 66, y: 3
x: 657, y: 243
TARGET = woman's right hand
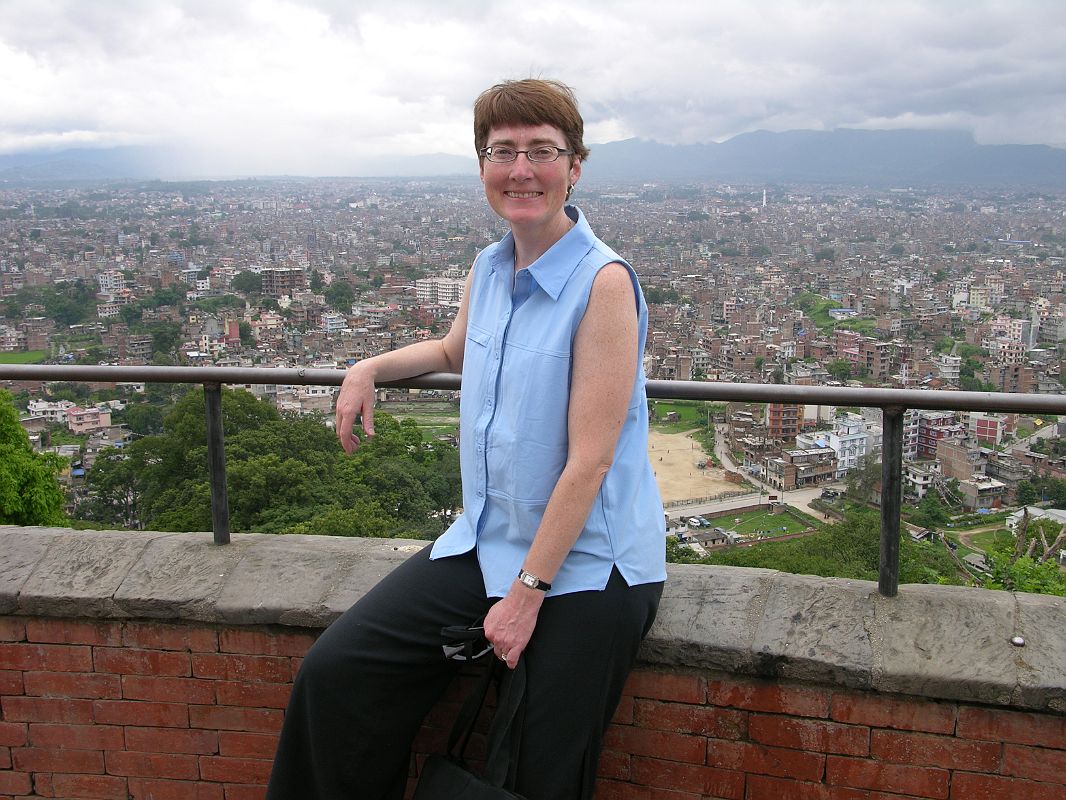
x: 355, y: 401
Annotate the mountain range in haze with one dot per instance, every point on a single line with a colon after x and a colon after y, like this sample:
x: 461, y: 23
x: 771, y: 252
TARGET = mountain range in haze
x: 843, y: 156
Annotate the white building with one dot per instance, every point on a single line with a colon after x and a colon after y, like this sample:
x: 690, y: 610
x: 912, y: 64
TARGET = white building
x: 849, y: 439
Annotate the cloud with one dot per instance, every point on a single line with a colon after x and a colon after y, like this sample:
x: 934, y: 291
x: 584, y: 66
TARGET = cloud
x: 318, y: 87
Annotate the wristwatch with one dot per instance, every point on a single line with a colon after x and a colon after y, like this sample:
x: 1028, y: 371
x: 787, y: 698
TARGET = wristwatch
x: 532, y: 581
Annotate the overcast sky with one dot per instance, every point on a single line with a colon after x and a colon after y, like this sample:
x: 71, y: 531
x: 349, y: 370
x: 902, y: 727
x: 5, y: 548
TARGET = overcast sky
x: 309, y: 86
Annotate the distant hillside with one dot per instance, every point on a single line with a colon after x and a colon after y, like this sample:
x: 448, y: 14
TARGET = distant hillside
x: 879, y: 158
x: 840, y: 156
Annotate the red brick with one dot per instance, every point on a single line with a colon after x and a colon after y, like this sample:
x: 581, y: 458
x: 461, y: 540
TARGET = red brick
x: 935, y: 751
x: 234, y: 770
x: 68, y: 631
x: 238, y: 792
x: 762, y: 760
x: 171, y: 740
x: 764, y: 787
x: 47, y: 709
x: 1036, y: 763
x: 5, y: 757
x: 122, y: 661
x: 166, y: 689
x: 12, y: 629
x: 265, y: 669
x: 12, y: 734
x: 657, y: 744
x: 614, y: 765
x: 42, y: 784
x: 238, y: 744
x: 1012, y: 726
x: 897, y: 713
x: 153, y: 765
x: 145, y: 789
x: 720, y: 723
x: 675, y: 687
x: 72, y: 684
x: 15, y: 783
x: 808, y: 734
x: 35, y: 759
x: 227, y: 718
x: 769, y: 697
x: 158, y: 636
x: 104, y: 787
x: 76, y: 737
x: 49, y: 657
x: 10, y: 681
x: 860, y: 773
x: 968, y: 786
x: 274, y: 643
x: 143, y: 713
x: 658, y: 774
x: 253, y: 695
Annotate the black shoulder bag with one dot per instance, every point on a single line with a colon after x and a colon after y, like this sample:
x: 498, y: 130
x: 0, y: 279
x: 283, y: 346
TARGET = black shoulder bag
x: 447, y: 777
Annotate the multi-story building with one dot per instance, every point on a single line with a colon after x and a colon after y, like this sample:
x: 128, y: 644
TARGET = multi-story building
x: 783, y: 421
x: 919, y: 477
x: 280, y: 281
x: 982, y: 492
x: 87, y: 420
x: 794, y: 469
x: 949, y: 367
x: 934, y: 426
x: 1010, y: 377
x: 988, y: 427
x: 440, y: 290
x: 848, y: 439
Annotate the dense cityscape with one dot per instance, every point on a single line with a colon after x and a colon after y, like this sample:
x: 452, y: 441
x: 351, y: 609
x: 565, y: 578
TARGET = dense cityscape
x: 795, y: 285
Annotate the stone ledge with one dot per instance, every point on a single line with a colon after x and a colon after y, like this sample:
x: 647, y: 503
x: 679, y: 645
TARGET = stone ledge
x: 937, y: 642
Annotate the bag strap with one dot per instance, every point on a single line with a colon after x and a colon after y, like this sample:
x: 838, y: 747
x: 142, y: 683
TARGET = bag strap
x: 501, y: 766
x: 505, y: 732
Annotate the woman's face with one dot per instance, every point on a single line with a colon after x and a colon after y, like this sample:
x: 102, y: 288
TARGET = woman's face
x: 526, y: 194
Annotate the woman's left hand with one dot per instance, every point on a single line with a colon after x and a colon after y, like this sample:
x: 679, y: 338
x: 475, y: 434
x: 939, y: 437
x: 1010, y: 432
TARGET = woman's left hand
x: 510, y: 622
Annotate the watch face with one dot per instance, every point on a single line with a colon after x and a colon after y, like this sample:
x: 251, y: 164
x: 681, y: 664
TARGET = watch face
x: 528, y: 580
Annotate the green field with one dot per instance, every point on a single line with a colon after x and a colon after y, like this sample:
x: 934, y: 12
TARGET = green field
x: 29, y: 357
x: 754, y: 521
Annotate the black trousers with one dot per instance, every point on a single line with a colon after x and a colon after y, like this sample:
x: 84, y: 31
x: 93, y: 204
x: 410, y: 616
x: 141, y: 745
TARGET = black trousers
x: 367, y: 683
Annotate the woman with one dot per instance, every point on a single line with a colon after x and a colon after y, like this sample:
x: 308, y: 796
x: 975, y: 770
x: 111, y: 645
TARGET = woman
x: 560, y: 546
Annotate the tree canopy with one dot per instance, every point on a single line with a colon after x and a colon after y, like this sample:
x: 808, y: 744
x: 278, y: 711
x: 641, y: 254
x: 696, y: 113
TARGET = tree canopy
x: 284, y: 475
x: 29, y: 491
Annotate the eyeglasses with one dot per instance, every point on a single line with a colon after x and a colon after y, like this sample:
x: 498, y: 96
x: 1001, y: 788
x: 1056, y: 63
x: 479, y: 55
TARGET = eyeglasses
x: 544, y: 154
x: 465, y: 643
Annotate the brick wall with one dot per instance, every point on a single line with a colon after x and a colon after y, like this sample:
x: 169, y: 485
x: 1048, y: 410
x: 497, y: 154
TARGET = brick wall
x: 159, y: 711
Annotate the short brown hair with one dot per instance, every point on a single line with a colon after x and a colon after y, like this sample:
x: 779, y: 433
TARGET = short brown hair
x: 530, y: 102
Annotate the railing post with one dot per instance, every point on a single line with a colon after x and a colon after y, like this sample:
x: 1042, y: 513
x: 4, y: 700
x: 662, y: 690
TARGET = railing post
x: 891, y: 499
x: 216, y: 462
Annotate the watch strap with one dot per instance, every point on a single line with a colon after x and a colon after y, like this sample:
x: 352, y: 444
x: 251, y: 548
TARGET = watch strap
x: 532, y: 581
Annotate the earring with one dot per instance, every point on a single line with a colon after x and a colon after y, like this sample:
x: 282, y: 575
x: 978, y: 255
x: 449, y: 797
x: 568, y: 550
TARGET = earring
x: 569, y: 191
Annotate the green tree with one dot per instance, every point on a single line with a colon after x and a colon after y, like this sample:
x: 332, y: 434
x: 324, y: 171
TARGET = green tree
x: 839, y: 368
x: 29, y: 489
x: 113, y: 488
x: 247, y: 283
x: 340, y: 296
x: 1026, y: 561
x: 931, y: 513
x: 1026, y: 493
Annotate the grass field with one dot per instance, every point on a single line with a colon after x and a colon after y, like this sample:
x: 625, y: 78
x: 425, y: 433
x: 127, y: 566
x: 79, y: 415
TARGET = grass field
x: 29, y: 357
x: 753, y: 522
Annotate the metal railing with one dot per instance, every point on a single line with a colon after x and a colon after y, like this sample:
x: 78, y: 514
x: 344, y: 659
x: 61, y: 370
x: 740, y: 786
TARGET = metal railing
x: 893, y: 403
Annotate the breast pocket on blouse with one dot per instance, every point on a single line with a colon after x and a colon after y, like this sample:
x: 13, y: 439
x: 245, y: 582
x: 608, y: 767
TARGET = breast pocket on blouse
x: 477, y: 359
